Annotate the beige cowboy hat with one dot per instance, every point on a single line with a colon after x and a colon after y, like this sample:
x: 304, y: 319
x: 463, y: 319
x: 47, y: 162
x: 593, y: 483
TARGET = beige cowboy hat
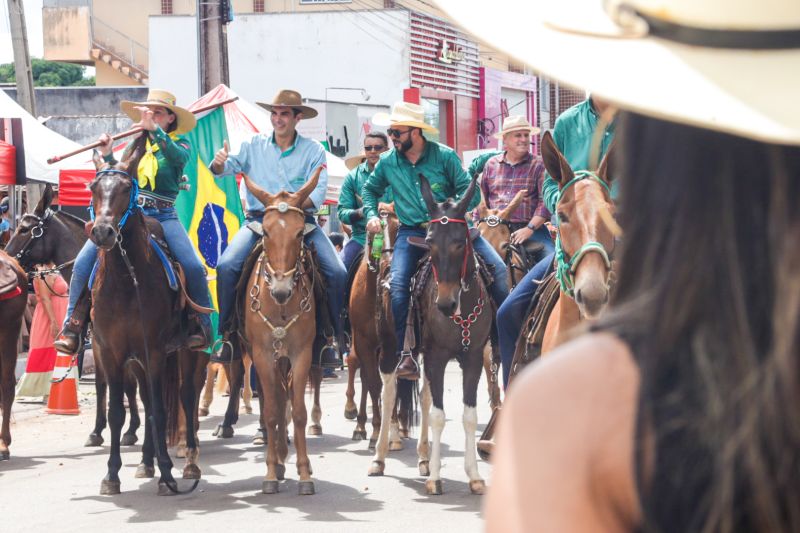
x: 289, y: 98
x: 353, y: 161
x: 404, y: 114
x: 186, y: 119
x: 516, y: 123
x: 726, y: 65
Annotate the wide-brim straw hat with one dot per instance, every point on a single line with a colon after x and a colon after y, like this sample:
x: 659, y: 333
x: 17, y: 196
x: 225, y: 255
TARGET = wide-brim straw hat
x: 404, y: 114
x: 289, y: 98
x: 516, y: 123
x: 158, y: 98
x: 353, y: 161
x: 725, y: 65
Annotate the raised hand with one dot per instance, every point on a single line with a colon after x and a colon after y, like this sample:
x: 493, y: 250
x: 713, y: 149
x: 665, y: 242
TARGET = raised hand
x: 220, y: 157
x: 146, y: 119
x: 105, y: 144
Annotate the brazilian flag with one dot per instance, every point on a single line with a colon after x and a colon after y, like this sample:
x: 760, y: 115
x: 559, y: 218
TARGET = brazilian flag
x: 210, y: 209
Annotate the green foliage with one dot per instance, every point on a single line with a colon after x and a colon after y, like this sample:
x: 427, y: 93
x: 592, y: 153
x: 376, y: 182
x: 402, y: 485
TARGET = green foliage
x: 49, y: 74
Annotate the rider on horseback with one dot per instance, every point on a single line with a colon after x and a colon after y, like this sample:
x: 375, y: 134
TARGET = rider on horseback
x: 400, y: 168
x: 160, y: 174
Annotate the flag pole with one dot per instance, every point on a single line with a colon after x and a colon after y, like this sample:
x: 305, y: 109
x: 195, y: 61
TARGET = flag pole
x: 132, y: 131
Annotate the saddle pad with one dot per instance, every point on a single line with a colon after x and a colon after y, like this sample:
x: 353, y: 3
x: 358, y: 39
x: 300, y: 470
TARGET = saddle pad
x: 169, y: 270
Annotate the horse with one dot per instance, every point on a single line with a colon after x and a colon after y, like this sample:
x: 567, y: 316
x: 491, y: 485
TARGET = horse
x: 47, y: 236
x: 128, y: 274
x: 12, y: 308
x: 279, y: 324
x: 447, y: 332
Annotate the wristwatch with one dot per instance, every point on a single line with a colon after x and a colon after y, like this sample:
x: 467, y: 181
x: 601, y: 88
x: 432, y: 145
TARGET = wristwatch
x: 530, y: 226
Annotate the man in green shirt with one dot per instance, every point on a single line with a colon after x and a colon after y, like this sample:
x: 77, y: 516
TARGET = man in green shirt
x: 414, y: 155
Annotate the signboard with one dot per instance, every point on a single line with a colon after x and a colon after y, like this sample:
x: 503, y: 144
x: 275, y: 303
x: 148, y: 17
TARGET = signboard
x: 450, y: 53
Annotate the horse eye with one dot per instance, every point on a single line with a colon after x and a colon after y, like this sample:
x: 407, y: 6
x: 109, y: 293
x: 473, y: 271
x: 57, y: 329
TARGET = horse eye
x: 562, y: 218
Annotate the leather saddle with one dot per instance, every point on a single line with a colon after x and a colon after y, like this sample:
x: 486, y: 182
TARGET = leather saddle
x: 9, y: 276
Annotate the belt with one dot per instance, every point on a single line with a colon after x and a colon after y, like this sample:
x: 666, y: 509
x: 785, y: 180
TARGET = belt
x: 153, y: 203
x: 422, y: 225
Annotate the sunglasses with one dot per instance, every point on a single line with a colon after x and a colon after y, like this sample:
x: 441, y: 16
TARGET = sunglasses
x: 397, y: 133
x: 377, y: 148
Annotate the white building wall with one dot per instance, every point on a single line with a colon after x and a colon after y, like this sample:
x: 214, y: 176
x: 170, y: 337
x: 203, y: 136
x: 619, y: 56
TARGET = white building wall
x: 173, y: 56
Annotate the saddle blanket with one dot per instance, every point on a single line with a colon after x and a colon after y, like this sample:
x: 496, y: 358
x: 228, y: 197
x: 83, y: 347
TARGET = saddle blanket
x: 169, y: 269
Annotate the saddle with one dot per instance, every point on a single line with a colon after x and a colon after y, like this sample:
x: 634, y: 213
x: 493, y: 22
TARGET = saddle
x: 348, y: 288
x: 9, y: 279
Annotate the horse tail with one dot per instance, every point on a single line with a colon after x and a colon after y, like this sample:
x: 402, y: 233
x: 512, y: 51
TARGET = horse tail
x: 171, y: 387
x: 408, y: 401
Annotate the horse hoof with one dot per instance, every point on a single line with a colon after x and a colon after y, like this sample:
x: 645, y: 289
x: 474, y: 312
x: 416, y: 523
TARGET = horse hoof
x: 191, y: 471
x: 424, y: 468
x: 5, y: 455
x: 372, y: 443
x: 260, y: 438
x: 164, y: 490
x: 403, y: 433
x: 144, y: 471
x: 270, y: 486
x: 305, y: 488
x: 360, y: 434
x: 477, y: 486
x: 223, y: 432
x: 248, y: 410
x: 180, y: 451
x: 396, y: 446
x: 350, y: 413
x: 202, y: 411
x: 433, y: 487
x: 109, y: 488
x: 377, y: 468
x: 280, y: 472
x: 315, y: 430
x: 128, y: 439
x: 94, y: 440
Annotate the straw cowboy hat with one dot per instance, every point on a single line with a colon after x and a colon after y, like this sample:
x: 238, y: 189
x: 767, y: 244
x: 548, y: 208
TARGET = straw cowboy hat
x: 516, y: 123
x: 404, y: 114
x: 155, y: 97
x: 354, y: 161
x: 726, y: 65
x: 289, y: 98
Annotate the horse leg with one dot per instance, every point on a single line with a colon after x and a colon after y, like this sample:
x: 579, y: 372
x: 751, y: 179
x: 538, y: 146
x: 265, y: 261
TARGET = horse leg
x: 247, y: 394
x: 360, y: 433
x: 129, y: 438
x: 423, y: 444
x: 116, y: 419
x: 212, y: 370
x: 434, y: 371
x: 395, y: 438
x: 162, y: 385
x: 299, y: 378
x: 146, y: 468
x: 101, y: 389
x: 270, y: 420
x: 8, y: 359
x: 374, y: 383
x: 189, y: 363
x: 235, y: 373
x: 472, y: 375
x: 491, y: 378
x: 316, y: 411
x: 388, y: 397
x: 350, y: 411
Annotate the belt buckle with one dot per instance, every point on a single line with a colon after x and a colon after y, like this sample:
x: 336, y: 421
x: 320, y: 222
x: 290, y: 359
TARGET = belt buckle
x: 141, y: 201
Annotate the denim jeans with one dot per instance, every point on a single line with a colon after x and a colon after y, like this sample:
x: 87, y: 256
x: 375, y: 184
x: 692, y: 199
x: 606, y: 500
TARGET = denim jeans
x: 404, y: 265
x: 181, y: 248
x: 511, y: 314
x: 232, y: 261
x: 542, y: 235
x: 350, y: 252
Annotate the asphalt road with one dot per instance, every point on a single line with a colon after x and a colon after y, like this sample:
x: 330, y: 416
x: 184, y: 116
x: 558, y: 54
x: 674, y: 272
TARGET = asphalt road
x: 52, y: 482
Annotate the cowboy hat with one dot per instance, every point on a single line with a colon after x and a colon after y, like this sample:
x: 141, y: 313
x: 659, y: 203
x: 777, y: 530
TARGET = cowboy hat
x: 724, y: 65
x: 404, y: 114
x: 516, y: 123
x: 289, y: 98
x: 353, y: 161
x: 155, y: 97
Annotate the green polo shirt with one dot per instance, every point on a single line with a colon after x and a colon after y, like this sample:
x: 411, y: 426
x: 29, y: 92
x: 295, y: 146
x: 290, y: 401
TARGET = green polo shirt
x: 438, y: 163
x: 350, y: 201
x: 476, y: 167
x: 573, y: 134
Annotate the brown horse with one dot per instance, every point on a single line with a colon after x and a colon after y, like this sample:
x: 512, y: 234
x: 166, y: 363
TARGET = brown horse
x: 494, y: 226
x: 128, y: 276
x: 12, y: 307
x: 584, y: 244
x: 47, y: 236
x: 280, y: 327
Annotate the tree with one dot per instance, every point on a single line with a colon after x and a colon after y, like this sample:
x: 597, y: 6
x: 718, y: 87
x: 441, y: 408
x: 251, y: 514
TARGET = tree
x: 49, y: 74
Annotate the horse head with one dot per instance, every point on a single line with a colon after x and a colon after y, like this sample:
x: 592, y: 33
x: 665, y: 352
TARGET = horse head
x: 284, y: 227
x: 27, y: 244
x: 114, y: 194
x: 584, y: 240
x: 450, y: 245
x: 494, y: 223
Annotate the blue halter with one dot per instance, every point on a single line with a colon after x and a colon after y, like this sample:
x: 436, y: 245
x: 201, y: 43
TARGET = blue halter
x: 132, y: 204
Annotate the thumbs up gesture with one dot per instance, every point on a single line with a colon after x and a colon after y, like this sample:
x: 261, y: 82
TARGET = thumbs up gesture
x: 220, y: 157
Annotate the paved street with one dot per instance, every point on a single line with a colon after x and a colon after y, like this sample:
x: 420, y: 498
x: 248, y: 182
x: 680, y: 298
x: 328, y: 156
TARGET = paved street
x: 52, y: 482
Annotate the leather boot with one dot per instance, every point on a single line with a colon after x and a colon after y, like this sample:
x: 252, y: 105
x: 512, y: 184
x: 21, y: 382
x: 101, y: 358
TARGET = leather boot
x: 69, y: 342
x: 199, y: 334
x: 223, y: 351
x: 407, y: 368
x: 329, y: 356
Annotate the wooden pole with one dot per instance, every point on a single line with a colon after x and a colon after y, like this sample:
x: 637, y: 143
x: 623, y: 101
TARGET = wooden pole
x: 22, y: 58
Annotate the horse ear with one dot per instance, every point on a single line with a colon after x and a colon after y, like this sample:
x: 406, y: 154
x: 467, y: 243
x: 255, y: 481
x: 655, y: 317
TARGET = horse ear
x: 427, y: 195
x: 44, y: 201
x: 98, y: 161
x: 263, y: 196
x: 483, y: 211
x: 306, y: 190
x: 606, y: 169
x: 512, y: 206
x: 463, y: 204
x: 554, y: 161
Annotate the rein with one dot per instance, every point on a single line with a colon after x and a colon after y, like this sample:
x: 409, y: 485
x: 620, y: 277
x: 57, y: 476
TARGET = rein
x: 132, y: 203
x: 566, y: 267
x: 36, y: 233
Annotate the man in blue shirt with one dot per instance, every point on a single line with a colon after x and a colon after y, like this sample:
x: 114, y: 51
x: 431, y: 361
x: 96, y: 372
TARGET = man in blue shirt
x: 283, y: 161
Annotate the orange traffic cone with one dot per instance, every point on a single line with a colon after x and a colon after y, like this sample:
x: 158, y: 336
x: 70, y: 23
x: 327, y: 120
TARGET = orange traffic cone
x: 64, y: 388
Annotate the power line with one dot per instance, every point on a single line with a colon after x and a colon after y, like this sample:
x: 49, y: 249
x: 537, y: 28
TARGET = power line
x: 386, y: 16
x: 355, y: 13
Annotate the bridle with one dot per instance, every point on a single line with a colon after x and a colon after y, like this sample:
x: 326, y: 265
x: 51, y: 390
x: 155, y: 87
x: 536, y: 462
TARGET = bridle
x: 494, y: 220
x: 36, y: 233
x: 270, y: 273
x: 132, y: 203
x: 372, y: 263
x: 567, y: 266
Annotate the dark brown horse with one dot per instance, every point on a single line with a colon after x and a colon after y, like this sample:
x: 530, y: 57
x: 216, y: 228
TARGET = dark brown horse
x: 130, y: 279
x: 47, y: 236
x: 12, y: 307
x: 280, y: 327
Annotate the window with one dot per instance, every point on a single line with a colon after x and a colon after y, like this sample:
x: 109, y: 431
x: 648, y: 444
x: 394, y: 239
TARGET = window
x: 258, y: 6
x: 166, y: 7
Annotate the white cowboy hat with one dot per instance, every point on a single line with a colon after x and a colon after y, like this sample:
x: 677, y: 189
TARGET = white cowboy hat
x: 289, y: 98
x: 725, y: 65
x: 516, y: 123
x: 404, y: 114
x: 158, y: 98
x: 353, y: 161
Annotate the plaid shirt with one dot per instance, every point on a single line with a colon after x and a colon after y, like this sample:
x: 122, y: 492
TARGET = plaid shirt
x: 502, y: 181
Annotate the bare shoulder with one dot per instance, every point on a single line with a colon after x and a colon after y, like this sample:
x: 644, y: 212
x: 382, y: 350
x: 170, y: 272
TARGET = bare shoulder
x: 565, y: 441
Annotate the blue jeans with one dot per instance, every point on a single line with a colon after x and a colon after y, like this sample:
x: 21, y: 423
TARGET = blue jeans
x: 404, y: 265
x: 232, y: 261
x: 350, y: 252
x: 181, y: 248
x: 542, y: 235
x: 511, y: 314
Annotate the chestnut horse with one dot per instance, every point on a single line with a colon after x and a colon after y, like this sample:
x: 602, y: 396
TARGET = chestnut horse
x: 280, y: 326
x: 12, y: 307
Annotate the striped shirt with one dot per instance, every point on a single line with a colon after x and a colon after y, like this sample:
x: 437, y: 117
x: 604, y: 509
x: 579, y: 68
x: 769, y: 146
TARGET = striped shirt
x: 502, y: 181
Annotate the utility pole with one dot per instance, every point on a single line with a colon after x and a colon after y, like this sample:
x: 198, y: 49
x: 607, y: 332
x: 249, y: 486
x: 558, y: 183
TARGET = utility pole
x: 22, y: 58
x: 212, y: 44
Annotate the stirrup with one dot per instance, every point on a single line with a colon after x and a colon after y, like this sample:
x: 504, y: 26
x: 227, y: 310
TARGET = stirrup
x: 403, y: 355
x: 217, y: 348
